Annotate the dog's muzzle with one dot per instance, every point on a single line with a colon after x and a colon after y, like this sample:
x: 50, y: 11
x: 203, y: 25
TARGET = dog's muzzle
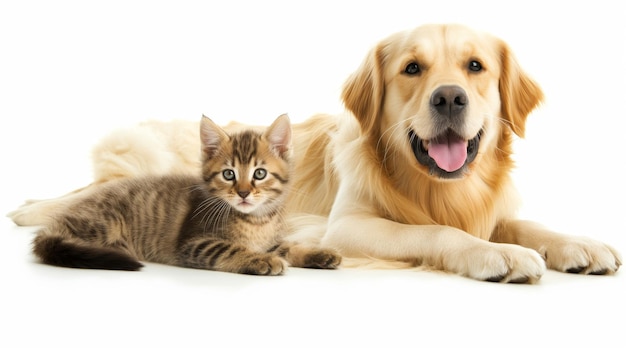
x: 446, y: 156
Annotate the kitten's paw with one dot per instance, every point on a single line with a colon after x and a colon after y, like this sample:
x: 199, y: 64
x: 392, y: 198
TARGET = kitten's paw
x: 265, y: 265
x: 582, y: 255
x: 322, y: 258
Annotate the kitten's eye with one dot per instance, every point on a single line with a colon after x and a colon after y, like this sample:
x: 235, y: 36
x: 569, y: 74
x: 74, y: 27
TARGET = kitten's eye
x: 412, y: 69
x: 260, y: 173
x: 228, y: 174
x: 475, y: 66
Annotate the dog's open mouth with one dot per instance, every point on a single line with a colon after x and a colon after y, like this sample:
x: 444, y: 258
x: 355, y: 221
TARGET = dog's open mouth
x: 447, y: 155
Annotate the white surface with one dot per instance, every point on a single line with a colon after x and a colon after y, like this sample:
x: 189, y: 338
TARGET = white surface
x: 72, y: 71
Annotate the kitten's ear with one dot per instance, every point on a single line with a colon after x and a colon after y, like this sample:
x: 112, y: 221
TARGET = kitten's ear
x: 279, y: 135
x: 211, y: 137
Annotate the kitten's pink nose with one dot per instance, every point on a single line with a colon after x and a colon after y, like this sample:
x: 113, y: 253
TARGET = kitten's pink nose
x: 243, y: 194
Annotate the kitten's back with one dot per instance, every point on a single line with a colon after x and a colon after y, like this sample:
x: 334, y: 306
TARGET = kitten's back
x: 128, y: 220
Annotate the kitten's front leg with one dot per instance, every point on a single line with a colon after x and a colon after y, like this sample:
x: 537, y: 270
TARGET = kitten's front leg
x: 222, y: 255
x: 304, y: 256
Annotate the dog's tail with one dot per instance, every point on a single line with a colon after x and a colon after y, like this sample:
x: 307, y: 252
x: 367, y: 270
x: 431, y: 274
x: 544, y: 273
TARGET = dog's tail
x: 59, y: 251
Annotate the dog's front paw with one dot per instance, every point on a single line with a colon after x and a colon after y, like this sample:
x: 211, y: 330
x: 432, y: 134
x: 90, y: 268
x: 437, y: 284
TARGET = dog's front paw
x: 504, y: 263
x: 581, y: 255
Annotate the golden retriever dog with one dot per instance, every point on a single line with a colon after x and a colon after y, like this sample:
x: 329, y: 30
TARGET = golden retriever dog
x: 417, y: 172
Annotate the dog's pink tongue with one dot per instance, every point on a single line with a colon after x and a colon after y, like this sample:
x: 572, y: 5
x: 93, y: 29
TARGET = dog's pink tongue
x: 449, y: 153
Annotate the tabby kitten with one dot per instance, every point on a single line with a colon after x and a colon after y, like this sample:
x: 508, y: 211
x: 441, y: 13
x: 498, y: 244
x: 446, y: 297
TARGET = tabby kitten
x: 229, y: 219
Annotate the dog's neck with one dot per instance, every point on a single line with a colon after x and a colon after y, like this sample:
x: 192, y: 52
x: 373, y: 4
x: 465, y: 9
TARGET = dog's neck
x: 429, y: 200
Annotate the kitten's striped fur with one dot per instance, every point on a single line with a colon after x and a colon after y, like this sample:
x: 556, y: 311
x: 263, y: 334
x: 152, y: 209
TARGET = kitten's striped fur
x: 230, y: 219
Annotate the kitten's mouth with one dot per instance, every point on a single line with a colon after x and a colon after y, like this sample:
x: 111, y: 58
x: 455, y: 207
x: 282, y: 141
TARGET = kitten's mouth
x: 245, y: 206
x: 244, y: 203
x: 447, y: 155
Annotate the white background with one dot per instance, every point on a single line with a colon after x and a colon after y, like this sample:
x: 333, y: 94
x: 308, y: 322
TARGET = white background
x: 72, y: 71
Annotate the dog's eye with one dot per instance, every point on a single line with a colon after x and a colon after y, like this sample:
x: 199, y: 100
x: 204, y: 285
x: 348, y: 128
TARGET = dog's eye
x: 412, y: 68
x: 475, y: 66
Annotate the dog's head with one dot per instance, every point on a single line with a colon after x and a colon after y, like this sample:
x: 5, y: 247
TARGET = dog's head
x: 442, y: 96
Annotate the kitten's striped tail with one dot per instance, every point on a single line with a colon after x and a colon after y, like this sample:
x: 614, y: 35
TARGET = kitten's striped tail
x: 58, y: 251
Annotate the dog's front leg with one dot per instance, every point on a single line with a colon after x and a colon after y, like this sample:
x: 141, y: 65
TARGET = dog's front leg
x: 563, y: 253
x: 441, y: 247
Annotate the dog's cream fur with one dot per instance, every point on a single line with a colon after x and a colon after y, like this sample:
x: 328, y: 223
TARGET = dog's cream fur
x: 358, y: 187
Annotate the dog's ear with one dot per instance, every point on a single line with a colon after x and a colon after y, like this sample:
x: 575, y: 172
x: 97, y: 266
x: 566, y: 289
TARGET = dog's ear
x: 519, y: 94
x: 364, y: 90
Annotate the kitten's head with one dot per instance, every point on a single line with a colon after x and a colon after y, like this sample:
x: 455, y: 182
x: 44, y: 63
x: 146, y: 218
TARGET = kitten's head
x: 249, y: 169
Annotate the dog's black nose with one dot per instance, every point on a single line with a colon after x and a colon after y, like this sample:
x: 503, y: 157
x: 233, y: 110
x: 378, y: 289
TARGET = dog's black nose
x: 449, y: 100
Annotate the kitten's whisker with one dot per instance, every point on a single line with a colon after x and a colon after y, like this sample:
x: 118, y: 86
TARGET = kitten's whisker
x: 220, y: 213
